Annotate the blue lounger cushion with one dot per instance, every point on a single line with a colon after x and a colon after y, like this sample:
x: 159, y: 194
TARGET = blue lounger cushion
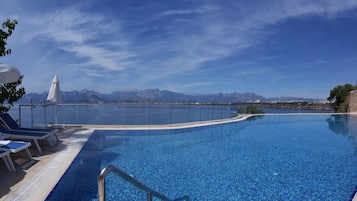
x: 14, y: 146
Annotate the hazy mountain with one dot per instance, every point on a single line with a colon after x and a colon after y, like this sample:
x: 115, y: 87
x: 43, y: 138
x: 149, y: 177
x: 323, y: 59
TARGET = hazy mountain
x: 150, y: 95
x: 84, y: 96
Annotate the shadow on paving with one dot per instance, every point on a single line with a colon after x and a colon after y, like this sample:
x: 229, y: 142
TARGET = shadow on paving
x: 9, y: 179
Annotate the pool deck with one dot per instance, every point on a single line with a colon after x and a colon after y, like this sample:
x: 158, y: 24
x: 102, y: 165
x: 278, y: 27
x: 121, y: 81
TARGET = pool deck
x: 34, y: 180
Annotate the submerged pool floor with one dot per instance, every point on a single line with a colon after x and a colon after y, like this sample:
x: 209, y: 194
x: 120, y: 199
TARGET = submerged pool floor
x: 263, y: 158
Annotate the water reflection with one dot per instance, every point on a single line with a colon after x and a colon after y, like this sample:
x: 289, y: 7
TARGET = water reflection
x: 345, y: 125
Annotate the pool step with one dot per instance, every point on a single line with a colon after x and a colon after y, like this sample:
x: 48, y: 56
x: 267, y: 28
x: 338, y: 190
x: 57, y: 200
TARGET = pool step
x: 150, y: 193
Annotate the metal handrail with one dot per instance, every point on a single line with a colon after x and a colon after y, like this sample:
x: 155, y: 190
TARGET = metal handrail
x: 150, y: 193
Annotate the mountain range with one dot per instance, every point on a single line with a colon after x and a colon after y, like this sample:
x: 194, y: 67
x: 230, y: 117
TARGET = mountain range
x: 153, y: 95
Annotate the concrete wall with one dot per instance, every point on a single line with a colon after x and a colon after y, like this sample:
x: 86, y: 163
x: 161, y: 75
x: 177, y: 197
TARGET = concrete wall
x: 352, y: 105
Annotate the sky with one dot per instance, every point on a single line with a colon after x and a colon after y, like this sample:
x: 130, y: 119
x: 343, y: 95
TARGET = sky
x: 298, y: 48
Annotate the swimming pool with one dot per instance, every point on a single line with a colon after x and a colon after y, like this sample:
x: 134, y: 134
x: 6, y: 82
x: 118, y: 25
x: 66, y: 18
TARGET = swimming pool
x: 288, y: 157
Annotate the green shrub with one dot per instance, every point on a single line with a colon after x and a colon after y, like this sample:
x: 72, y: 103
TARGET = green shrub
x: 250, y: 109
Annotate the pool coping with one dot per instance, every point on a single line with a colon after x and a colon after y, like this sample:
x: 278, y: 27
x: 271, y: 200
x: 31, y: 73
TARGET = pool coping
x: 165, y: 126
x: 187, y: 124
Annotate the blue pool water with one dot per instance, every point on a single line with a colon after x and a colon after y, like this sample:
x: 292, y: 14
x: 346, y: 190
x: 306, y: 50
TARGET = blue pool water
x: 263, y: 158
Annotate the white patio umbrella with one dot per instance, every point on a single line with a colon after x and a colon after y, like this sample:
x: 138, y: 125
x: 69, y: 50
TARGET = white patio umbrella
x: 8, y: 74
x: 54, y: 93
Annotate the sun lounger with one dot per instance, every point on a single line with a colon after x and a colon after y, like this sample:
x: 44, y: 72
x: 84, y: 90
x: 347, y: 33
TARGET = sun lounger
x: 22, y: 135
x: 16, y: 146
x: 11, y: 124
x: 5, y: 155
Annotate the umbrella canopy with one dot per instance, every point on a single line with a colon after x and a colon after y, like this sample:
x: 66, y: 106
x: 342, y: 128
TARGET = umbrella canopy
x: 8, y: 74
x: 54, y: 93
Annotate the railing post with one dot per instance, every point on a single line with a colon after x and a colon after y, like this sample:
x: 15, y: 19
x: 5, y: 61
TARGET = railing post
x: 44, y: 112
x: 31, y: 109
x: 20, y: 115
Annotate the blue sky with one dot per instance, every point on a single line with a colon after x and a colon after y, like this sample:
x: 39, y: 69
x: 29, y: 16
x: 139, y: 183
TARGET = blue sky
x: 272, y: 48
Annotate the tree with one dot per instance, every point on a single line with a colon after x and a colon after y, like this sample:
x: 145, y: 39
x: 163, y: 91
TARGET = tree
x: 10, y: 26
x: 250, y: 109
x: 9, y: 93
x: 339, y: 96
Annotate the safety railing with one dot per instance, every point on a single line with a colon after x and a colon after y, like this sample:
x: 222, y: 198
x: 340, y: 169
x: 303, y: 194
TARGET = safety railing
x: 41, y: 115
x: 150, y: 193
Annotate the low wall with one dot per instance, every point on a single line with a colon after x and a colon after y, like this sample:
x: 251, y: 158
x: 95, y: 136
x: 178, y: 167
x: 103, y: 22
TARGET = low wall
x: 352, y: 105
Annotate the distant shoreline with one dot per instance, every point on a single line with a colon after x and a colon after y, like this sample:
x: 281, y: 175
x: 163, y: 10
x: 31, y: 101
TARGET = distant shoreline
x: 296, y: 106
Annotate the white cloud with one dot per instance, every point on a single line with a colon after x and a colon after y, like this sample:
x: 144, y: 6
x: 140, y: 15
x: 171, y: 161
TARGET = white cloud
x: 93, y: 73
x: 183, y: 87
x: 100, y: 57
x: 202, y: 10
x: 321, y: 61
x: 82, y: 35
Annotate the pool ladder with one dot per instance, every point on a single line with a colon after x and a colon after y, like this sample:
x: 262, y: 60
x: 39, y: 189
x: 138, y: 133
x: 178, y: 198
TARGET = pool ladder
x: 150, y: 193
